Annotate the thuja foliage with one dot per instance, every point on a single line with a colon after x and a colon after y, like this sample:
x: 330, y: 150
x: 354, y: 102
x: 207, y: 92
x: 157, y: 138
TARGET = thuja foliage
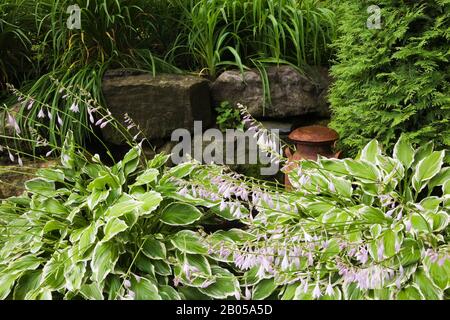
x: 395, y: 79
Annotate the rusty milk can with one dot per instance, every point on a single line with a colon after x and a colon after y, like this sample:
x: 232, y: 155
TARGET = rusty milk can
x: 311, y: 142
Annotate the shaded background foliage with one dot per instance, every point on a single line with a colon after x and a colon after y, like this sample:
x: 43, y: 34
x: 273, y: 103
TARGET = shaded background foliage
x: 395, y: 79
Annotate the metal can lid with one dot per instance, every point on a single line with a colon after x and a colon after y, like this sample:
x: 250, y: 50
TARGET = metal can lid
x: 314, y: 134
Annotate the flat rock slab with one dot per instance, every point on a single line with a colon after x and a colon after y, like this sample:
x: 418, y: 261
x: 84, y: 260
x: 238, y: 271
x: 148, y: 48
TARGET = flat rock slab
x: 157, y: 104
x: 292, y: 94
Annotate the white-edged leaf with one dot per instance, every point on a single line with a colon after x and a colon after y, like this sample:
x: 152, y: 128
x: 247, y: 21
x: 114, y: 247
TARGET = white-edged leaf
x: 427, y: 168
x: 114, y: 227
x: 180, y: 214
x: 404, y: 152
x: 103, y: 260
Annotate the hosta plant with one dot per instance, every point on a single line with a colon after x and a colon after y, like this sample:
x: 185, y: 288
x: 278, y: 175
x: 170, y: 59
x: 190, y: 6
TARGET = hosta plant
x: 84, y: 230
x: 375, y: 227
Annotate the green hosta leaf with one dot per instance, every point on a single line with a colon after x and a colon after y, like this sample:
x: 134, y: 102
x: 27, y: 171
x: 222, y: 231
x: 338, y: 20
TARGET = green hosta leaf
x: 103, y: 260
x: 53, y: 272
x: 404, y: 152
x: 145, y: 265
x: 149, y: 201
x: 334, y: 165
x: 428, y: 289
x: 180, y: 214
x: 410, y: 252
x: 56, y: 175
x: 96, y: 197
x: 225, y: 284
x: 371, y: 151
x: 409, y: 293
x: 419, y: 223
x: 28, y: 262
x: 226, y: 213
x: 393, y: 168
x: 423, y: 152
x: 197, y: 262
x: 168, y: 293
x: 363, y: 170
x: 144, y: 289
x: 427, y: 168
x: 440, y: 274
x: 431, y: 203
x: 148, y: 176
x: 53, y: 225
x: 317, y: 208
x: 180, y: 171
x: 131, y: 161
x: 189, y: 242
x: 158, y: 161
x: 124, y: 205
x: 74, y: 274
x: 7, y: 280
x: 264, y: 289
x: 342, y: 186
x: 162, y: 267
x: 374, y: 215
x: 102, y: 182
x: 154, y: 248
x: 114, y: 227
x: 29, y: 282
x: 389, y: 241
x: 440, y: 221
x: 86, y: 237
x: 446, y: 188
x: 41, y: 186
x: 352, y: 292
x: 442, y: 177
x: 115, y: 287
x: 302, y: 293
x: 92, y: 292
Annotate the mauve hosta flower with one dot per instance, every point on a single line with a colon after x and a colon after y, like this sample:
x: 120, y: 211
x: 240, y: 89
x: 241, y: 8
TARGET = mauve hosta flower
x: 362, y: 255
x: 408, y: 225
x: 13, y: 123
x: 11, y: 157
x: 436, y: 257
x: 74, y: 108
x: 60, y: 121
x: 380, y: 251
x: 316, y: 292
x: 41, y: 114
x: 329, y: 290
x: 127, y: 283
x: 30, y: 104
x: 248, y: 294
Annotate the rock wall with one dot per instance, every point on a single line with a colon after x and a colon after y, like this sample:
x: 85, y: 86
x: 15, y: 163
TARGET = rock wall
x: 165, y: 102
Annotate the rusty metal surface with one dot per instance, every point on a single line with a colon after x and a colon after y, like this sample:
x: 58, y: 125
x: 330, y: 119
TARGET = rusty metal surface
x: 314, y: 134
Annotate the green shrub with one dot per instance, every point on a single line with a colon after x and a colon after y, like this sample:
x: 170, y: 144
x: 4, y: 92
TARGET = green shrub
x: 395, y: 79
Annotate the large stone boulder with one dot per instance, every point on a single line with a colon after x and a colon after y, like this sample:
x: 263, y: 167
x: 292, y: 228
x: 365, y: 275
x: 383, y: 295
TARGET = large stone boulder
x: 292, y: 94
x: 157, y: 104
